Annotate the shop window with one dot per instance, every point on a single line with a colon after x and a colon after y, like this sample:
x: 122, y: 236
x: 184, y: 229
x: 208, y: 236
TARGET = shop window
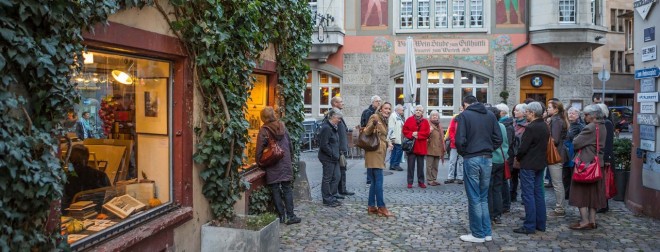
x: 433, y: 16
x: 258, y: 101
x: 329, y: 86
x: 122, y: 145
x: 567, y: 11
x: 398, y: 90
x: 307, y: 95
x: 440, y: 85
x: 473, y: 84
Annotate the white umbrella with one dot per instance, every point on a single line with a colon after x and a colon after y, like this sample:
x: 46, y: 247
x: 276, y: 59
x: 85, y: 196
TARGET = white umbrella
x: 409, y: 78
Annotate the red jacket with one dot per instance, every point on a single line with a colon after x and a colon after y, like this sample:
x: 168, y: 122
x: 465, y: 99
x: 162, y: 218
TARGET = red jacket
x: 451, y: 132
x: 423, y: 133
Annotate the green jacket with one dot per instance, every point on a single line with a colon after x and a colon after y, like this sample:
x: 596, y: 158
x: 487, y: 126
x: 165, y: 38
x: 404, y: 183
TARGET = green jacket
x: 497, y: 154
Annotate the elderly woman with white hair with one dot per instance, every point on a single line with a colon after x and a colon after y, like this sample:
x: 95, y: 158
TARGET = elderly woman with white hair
x: 608, y: 151
x: 519, y: 126
x: 417, y: 127
x: 576, y: 125
x: 589, y: 197
x: 435, y: 149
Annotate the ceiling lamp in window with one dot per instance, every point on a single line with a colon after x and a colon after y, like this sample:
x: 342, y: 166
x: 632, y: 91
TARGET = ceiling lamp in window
x: 122, y: 77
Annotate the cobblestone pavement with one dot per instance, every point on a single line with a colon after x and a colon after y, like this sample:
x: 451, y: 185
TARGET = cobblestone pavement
x: 432, y: 219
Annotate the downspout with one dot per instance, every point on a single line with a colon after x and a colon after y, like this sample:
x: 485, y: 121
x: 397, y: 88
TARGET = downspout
x: 506, y: 56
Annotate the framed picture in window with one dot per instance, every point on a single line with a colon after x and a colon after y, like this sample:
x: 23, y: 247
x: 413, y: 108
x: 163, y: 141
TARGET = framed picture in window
x: 151, y: 106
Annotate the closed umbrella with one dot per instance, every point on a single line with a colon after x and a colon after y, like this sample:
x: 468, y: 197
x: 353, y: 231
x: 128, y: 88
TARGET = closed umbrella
x: 409, y: 78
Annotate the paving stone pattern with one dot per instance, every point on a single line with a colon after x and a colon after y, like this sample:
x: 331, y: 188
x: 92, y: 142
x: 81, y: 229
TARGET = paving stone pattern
x: 432, y: 219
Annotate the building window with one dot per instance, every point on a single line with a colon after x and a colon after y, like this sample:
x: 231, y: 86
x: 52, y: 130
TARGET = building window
x: 440, y: 85
x: 307, y: 95
x: 616, y: 22
x: 122, y: 123
x: 473, y: 84
x: 596, y: 7
x: 433, y: 15
x: 618, y: 62
x: 566, y: 11
x: 313, y: 8
x: 329, y: 87
x: 629, y: 34
x: 398, y: 90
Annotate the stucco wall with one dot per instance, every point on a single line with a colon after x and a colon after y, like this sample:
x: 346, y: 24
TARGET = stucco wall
x: 147, y: 18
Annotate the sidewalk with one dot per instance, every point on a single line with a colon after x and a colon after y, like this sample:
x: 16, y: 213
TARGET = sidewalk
x: 432, y: 219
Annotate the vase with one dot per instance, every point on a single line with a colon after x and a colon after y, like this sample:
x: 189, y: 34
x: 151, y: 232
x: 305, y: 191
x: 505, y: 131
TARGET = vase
x: 216, y: 238
x: 621, y: 179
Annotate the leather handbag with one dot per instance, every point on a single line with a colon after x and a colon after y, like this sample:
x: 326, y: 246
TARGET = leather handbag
x: 551, y: 153
x: 588, y: 173
x: 408, y: 144
x: 610, y: 184
x: 368, y: 142
x: 272, y: 154
x: 507, y: 169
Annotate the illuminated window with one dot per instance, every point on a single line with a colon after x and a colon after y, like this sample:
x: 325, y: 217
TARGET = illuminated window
x: 329, y: 86
x: 473, y: 84
x: 307, y: 95
x: 440, y: 87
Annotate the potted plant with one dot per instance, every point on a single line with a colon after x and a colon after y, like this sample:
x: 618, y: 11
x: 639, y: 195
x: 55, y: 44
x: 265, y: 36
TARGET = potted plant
x: 242, y: 233
x: 622, y: 148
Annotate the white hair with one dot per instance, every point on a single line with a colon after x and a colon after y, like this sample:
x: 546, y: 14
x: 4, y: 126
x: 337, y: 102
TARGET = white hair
x: 419, y: 106
x: 375, y: 98
x: 503, y: 108
x: 573, y: 109
x: 398, y: 106
x: 603, y: 107
x: 434, y: 112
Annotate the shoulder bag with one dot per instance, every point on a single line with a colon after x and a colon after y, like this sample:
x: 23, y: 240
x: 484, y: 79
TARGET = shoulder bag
x: 368, y: 142
x: 588, y: 173
x: 408, y: 144
x: 551, y: 153
x: 272, y: 154
x: 507, y: 169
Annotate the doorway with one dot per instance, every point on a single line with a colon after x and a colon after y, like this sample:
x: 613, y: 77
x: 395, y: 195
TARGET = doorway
x: 539, y: 87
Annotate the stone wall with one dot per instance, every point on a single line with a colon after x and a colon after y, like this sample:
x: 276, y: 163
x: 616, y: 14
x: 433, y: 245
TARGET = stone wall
x: 365, y: 75
x: 575, y: 80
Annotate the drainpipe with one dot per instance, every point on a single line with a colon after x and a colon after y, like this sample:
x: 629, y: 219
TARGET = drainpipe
x: 506, y: 56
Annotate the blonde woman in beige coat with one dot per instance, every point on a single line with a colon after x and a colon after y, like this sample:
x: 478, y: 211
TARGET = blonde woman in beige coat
x: 374, y: 161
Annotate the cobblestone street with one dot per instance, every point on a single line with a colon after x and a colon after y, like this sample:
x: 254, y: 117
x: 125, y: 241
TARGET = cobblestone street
x: 432, y: 219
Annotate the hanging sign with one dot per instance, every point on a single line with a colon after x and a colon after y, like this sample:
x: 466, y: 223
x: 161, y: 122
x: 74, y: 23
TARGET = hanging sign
x: 649, y: 34
x: 649, y: 53
x: 648, y: 119
x: 647, y: 85
x: 647, y: 132
x: 648, y: 145
x: 647, y: 73
x: 647, y: 107
x: 643, y: 7
x: 647, y: 97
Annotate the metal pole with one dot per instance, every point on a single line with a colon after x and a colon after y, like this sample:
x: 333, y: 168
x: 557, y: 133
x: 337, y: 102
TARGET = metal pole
x: 602, y: 97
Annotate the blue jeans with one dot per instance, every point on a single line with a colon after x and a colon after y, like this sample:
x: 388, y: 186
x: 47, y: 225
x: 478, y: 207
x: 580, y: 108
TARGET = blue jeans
x: 376, y: 187
x: 533, y: 196
x: 477, y: 181
x: 395, y: 157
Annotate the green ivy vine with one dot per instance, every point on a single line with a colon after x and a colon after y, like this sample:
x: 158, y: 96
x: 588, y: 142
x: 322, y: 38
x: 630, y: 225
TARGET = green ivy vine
x: 261, y: 201
x: 224, y: 40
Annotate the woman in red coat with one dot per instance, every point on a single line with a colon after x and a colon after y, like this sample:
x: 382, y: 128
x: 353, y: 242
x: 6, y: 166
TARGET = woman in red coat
x: 417, y: 127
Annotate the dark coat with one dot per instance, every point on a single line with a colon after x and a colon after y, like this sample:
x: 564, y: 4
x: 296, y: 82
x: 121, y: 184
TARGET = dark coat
x: 608, y: 151
x: 86, y: 178
x: 478, y: 132
x: 531, y: 153
x: 585, y: 142
x: 366, y: 114
x: 510, y: 134
x: 328, y: 143
x: 342, y: 131
x: 423, y: 133
x: 282, y: 170
x: 574, y: 129
x: 558, y: 130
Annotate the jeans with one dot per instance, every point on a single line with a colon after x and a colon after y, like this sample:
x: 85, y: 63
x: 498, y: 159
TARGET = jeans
x: 376, y: 188
x: 506, y: 195
x: 477, y: 181
x: 531, y: 185
x: 556, y: 173
x: 495, y: 191
x: 455, y: 165
x: 395, y: 157
x: 419, y: 161
x: 432, y: 163
x: 330, y: 181
x: 285, y: 193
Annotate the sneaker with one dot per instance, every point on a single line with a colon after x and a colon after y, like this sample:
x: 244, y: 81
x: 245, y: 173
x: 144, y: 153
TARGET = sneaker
x: 459, y: 181
x: 293, y: 220
x: 497, y: 220
x: 409, y: 186
x: 489, y: 238
x: 449, y: 181
x: 398, y: 168
x: 470, y: 238
x: 422, y: 185
x: 522, y: 230
x: 557, y: 213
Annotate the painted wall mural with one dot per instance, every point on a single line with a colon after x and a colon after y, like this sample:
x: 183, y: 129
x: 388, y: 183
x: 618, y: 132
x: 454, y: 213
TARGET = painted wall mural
x: 510, y: 13
x: 374, y: 13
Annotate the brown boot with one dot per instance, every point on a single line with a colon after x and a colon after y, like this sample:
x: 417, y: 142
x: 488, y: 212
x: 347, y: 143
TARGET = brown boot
x: 382, y: 211
x: 372, y: 210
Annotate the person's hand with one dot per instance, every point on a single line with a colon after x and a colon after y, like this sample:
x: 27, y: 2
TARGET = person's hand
x: 414, y: 134
x: 375, y: 123
x: 390, y: 146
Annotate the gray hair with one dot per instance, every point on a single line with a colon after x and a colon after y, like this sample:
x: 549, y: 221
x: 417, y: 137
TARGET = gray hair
x: 522, y: 107
x: 594, y: 110
x: 335, y: 99
x: 419, y: 106
x: 503, y: 108
x: 434, y: 112
x: 335, y: 112
x: 573, y: 109
x: 375, y: 98
x: 606, y: 111
x: 536, y: 108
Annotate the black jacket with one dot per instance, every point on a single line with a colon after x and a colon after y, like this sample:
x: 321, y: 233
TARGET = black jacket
x: 510, y: 134
x: 328, y: 143
x: 608, y: 151
x: 342, y: 131
x: 477, y: 132
x: 282, y: 170
x: 366, y: 114
x: 531, y: 153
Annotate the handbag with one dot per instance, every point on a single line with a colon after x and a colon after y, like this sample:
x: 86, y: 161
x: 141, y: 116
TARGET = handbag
x: 368, y: 142
x: 272, y: 154
x: 583, y: 173
x: 507, y: 169
x: 408, y: 144
x: 552, y: 154
x: 610, y: 184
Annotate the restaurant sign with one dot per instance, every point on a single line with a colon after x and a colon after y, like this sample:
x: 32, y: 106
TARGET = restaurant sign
x: 445, y: 46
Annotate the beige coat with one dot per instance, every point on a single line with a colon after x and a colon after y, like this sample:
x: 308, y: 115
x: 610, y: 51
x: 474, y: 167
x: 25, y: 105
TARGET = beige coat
x: 376, y: 159
x: 436, y: 145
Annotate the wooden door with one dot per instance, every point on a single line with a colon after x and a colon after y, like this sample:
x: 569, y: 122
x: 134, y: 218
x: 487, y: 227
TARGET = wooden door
x: 538, y: 87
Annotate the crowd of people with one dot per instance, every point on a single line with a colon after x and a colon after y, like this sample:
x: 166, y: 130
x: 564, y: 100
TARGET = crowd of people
x: 495, y: 152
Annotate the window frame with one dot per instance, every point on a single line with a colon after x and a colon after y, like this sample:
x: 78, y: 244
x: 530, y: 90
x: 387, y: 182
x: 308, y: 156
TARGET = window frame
x: 316, y: 109
x: 414, y: 27
x: 567, y: 3
x: 330, y: 85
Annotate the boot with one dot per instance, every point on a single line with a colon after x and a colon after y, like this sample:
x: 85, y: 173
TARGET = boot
x: 372, y: 210
x: 382, y: 211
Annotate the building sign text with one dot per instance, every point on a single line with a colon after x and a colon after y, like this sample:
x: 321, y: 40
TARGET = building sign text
x: 647, y: 85
x: 445, y: 46
x: 644, y: 73
x: 648, y: 145
x: 648, y: 119
x: 649, y: 34
x: 647, y: 107
x: 647, y: 132
x: 649, y: 53
x: 647, y: 97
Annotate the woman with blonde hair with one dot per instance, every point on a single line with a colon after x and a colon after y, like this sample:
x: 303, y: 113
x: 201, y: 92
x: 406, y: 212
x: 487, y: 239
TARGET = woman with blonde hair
x: 374, y: 160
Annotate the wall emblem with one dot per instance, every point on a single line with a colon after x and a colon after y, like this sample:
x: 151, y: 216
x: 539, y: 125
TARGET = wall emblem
x: 536, y: 81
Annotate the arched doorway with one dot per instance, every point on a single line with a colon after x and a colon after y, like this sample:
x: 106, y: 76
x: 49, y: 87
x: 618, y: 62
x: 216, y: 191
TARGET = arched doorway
x: 537, y: 86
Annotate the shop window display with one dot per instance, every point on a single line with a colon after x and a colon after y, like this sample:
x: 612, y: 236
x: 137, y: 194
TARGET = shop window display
x: 256, y: 103
x: 118, y: 146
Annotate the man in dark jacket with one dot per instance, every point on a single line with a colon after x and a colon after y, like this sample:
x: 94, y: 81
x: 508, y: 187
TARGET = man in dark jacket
x: 342, y: 131
x: 478, y: 134
x: 375, y: 103
x: 329, y: 157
